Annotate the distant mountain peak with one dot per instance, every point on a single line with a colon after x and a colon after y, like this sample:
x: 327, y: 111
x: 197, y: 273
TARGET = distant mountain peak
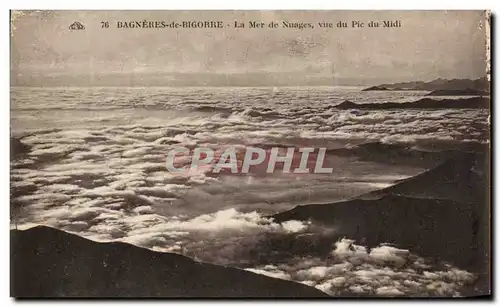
x: 480, y: 84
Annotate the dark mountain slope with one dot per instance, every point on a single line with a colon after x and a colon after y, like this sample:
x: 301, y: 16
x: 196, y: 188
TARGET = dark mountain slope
x: 440, y: 213
x: 393, y: 154
x: 428, y: 227
x: 51, y: 263
x: 463, y: 178
x: 465, y: 92
x: 17, y: 148
x: 481, y: 84
x: 424, y: 103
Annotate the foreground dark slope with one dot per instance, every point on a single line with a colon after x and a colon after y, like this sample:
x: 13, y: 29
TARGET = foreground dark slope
x: 442, y: 213
x: 46, y: 262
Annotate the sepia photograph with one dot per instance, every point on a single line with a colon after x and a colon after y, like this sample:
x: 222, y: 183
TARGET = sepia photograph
x: 250, y: 154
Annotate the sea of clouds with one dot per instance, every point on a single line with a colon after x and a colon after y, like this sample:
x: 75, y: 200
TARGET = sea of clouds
x: 97, y: 167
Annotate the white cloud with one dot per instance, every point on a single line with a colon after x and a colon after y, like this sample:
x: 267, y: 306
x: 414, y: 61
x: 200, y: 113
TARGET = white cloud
x: 270, y: 273
x: 354, y: 271
x: 294, y: 226
x: 388, y: 291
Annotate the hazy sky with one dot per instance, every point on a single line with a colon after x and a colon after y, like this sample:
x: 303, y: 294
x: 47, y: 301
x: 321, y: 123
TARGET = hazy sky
x: 430, y: 44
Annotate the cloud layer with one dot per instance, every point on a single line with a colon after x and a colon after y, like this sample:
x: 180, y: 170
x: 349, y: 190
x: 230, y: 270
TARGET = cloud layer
x: 97, y: 167
x: 353, y: 270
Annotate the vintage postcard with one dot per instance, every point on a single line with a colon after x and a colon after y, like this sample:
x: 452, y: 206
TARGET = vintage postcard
x: 311, y: 154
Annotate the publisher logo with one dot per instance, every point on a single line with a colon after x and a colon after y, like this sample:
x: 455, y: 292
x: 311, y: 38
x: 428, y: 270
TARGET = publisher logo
x: 76, y: 26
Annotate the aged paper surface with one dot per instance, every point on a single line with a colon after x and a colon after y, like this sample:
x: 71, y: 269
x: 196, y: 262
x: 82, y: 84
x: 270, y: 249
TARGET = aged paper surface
x: 250, y: 154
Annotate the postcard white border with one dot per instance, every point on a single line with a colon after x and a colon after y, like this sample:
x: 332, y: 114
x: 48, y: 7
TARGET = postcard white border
x: 494, y: 5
